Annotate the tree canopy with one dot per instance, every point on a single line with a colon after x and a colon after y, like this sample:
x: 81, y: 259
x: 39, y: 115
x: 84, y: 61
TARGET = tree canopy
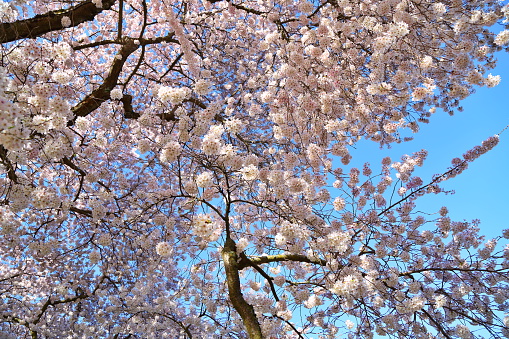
x: 183, y: 169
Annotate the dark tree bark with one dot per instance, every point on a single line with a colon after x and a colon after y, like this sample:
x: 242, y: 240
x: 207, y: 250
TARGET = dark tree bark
x: 51, y: 21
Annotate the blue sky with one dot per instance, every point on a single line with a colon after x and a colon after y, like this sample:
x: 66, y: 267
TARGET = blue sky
x: 482, y: 191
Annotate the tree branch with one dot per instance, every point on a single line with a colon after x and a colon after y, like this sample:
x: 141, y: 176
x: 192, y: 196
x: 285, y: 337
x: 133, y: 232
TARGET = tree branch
x: 438, y: 326
x: 262, y: 272
x: 102, y: 93
x: 277, y: 258
x: 129, y: 113
x: 435, y: 180
x: 86, y: 213
x: 51, y: 21
x: 4, y: 160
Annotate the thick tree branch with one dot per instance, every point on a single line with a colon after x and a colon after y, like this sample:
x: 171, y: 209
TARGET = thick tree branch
x: 94, y: 44
x: 120, y: 19
x: 102, y: 93
x: 51, y: 21
x: 245, y: 310
x: 86, y: 213
x: 248, y: 262
x: 4, y: 160
x: 69, y: 163
x: 129, y: 113
x: 79, y: 295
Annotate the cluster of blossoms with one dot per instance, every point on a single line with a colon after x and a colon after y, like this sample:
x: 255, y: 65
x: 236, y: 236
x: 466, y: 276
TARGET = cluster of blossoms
x: 419, y: 93
x: 164, y: 249
x: 211, y: 143
x: 492, y: 80
x: 44, y: 197
x: 204, y: 227
x: 234, y: 125
x: 173, y: 95
x: 185, y: 44
x: 412, y: 305
x: 339, y: 241
x: 62, y: 77
x: 459, y: 165
x: 170, y: 151
x: 502, y: 38
x: 339, y: 203
x: 116, y: 94
x: 94, y: 257
x: 57, y: 148
x: 290, y: 232
x: 313, y: 301
x: 250, y: 172
x: 7, y: 12
x: 202, y: 87
x: 477, y: 151
x: 351, y: 286
x: 406, y: 168
x: 8, y: 222
x: 62, y: 50
x: 11, y: 114
x: 205, y: 179
x: 66, y: 21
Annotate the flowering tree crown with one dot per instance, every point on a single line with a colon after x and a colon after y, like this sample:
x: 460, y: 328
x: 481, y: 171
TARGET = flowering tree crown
x: 182, y: 169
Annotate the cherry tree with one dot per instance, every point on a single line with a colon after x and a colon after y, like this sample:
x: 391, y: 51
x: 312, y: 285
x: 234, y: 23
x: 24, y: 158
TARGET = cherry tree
x: 183, y: 169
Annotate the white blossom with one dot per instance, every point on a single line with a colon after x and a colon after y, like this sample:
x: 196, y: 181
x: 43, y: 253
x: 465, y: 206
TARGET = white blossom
x: 164, y: 249
x: 250, y: 172
x: 116, y: 94
x: 66, y: 21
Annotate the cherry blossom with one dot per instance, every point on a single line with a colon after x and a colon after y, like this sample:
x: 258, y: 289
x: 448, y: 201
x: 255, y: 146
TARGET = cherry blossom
x: 184, y: 169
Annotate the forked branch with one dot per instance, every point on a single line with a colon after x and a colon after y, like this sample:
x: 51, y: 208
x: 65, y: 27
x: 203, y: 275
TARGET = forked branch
x: 265, y: 259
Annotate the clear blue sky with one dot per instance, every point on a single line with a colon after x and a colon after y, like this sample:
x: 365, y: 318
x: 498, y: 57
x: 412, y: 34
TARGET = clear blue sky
x: 482, y: 191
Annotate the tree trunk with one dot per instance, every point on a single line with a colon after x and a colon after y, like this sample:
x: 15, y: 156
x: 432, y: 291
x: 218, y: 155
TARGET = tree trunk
x: 245, y: 310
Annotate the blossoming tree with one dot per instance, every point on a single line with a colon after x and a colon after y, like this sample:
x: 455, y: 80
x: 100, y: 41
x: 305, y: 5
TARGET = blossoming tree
x: 180, y: 169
